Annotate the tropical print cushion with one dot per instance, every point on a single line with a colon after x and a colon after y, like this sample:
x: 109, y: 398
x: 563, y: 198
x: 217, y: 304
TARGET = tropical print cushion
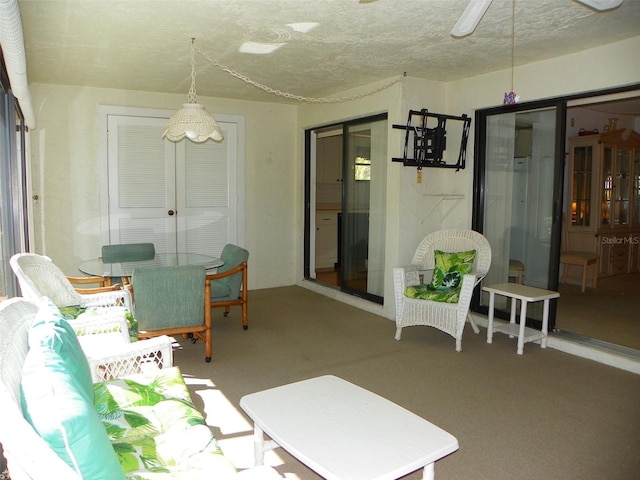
x: 427, y: 292
x: 450, y: 267
x: 446, y: 282
x: 155, y: 429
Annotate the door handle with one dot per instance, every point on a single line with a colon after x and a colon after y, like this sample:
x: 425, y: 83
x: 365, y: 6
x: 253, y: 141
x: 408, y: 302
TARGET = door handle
x: 171, y: 212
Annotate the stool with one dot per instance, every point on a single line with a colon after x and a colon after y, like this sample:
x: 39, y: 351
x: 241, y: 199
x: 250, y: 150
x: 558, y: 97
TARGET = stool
x: 516, y: 270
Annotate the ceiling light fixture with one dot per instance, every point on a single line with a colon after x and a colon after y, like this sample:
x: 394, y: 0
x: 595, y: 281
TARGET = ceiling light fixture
x: 192, y: 120
x: 472, y: 15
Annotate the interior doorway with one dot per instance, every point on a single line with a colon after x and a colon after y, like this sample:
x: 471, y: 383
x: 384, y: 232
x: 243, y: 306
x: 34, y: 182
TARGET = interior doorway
x: 602, y: 213
x: 345, y: 189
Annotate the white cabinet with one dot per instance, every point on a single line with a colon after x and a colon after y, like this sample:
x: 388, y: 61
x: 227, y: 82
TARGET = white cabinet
x: 329, y: 160
x: 326, y: 239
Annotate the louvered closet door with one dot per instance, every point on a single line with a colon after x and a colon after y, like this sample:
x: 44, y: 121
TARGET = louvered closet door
x: 180, y: 196
x: 141, y: 183
x: 206, y: 193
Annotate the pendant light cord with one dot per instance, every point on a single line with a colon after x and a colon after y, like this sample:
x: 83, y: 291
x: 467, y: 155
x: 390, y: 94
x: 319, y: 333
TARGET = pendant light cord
x: 288, y: 95
x: 513, y: 39
x: 191, y: 96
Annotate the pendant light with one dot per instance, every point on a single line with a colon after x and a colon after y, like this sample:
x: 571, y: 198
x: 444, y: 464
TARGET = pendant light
x: 192, y: 120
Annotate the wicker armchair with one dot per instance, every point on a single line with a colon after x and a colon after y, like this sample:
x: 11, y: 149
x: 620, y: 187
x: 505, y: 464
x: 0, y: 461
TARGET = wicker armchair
x: 447, y: 317
x: 39, y: 277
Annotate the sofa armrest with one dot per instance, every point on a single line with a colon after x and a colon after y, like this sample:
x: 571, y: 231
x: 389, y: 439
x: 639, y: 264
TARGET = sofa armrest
x: 119, y: 360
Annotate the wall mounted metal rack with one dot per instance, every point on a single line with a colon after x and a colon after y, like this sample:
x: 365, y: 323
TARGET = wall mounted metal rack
x: 424, y: 145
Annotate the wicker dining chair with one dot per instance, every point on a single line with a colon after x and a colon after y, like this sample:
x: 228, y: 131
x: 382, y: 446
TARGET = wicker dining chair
x: 448, y: 316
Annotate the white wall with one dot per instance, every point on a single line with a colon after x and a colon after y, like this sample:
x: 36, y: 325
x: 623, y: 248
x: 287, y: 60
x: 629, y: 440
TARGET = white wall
x: 64, y: 151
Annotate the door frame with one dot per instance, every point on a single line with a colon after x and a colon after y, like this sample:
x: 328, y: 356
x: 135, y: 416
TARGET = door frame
x: 310, y: 196
x: 479, y: 179
x: 561, y: 104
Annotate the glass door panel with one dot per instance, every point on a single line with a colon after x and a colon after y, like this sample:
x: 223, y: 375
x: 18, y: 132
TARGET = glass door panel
x: 518, y: 199
x: 345, y: 192
x: 363, y: 209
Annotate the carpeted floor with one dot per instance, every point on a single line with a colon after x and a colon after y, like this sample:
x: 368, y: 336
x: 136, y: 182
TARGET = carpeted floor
x: 610, y: 312
x: 545, y: 414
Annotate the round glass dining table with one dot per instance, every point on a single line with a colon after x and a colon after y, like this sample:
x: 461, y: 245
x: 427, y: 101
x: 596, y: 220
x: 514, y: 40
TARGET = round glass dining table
x: 96, y: 267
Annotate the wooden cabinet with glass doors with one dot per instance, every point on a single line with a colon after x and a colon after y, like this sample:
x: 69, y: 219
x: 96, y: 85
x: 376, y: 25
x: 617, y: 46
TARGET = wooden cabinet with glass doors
x: 604, y: 173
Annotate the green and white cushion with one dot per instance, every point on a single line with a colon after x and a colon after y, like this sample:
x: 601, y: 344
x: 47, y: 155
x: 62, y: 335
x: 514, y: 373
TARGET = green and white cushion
x: 446, y: 282
x: 155, y: 429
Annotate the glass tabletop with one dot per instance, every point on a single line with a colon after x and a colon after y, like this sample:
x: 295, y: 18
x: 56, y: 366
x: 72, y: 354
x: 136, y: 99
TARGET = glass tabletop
x: 96, y: 267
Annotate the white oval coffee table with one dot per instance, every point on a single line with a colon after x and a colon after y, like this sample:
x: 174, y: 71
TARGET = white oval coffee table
x: 342, y: 431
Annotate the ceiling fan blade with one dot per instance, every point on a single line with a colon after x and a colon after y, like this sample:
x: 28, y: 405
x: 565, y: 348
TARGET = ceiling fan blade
x: 601, y: 5
x: 470, y: 17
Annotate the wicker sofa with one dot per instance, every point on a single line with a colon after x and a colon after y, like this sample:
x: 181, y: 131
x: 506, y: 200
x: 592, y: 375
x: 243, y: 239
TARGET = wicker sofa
x: 57, y: 423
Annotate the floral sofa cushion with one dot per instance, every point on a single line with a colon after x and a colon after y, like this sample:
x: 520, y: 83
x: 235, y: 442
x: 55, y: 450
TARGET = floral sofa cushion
x: 155, y: 429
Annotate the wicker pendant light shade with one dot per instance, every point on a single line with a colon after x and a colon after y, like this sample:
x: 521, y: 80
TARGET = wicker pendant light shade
x: 192, y: 120
x: 195, y: 123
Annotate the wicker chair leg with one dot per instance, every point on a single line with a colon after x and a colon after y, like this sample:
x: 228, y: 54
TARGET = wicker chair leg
x: 398, y: 333
x: 476, y: 330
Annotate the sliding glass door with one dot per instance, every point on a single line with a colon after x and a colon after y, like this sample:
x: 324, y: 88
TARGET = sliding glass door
x: 346, y: 200
x: 13, y: 209
x: 519, y: 168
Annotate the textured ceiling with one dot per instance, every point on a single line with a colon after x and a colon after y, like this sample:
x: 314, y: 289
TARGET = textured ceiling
x: 145, y: 44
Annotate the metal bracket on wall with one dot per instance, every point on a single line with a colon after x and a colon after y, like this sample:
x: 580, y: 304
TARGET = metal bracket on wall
x: 424, y: 146
x: 441, y: 197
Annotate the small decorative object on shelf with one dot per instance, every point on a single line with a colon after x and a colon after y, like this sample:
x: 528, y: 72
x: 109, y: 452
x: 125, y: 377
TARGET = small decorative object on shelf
x: 582, y: 132
x: 511, y: 98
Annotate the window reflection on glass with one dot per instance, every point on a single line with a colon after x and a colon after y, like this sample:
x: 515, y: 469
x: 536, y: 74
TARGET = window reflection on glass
x: 363, y: 168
